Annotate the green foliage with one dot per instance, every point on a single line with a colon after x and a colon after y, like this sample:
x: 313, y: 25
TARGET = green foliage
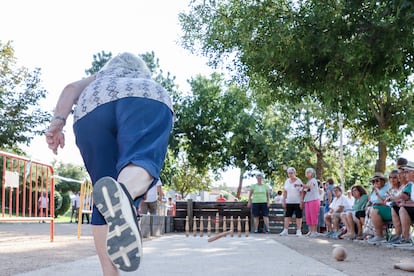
x: 69, y: 171
x: 354, y: 57
x: 188, y: 179
x: 65, y: 204
x: 98, y: 62
x: 20, y: 93
x: 58, y: 203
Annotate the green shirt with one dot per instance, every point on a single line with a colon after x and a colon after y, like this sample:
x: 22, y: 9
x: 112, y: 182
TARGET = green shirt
x: 260, y: 193
x: 360, y: 203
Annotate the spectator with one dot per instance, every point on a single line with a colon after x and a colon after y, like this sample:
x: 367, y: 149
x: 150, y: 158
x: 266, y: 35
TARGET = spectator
x: 350, y: 197
x: 312, y: 202
x: 278, y: 198
x: 292, y: 202
x: 43, y: 202
x: 406, y: 207
x: 329, y: 195
x: 403, y: 196
x: 171, y: 207
x: 75, y: 202
x: 357, y: 215
x: 150, y: 204
x: 339, y: 204
x: 380, y: 212
x: 221, y: 198
x: 259, y: 201
x: 87, y: 203
x: 321, y: 191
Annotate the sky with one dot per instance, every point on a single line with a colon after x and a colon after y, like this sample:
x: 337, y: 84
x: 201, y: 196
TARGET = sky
x: 61, y: 37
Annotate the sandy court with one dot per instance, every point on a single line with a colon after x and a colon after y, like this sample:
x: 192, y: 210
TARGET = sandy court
x: 27, y: 246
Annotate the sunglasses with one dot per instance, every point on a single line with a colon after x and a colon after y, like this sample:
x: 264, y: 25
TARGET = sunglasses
x: 392, y: 177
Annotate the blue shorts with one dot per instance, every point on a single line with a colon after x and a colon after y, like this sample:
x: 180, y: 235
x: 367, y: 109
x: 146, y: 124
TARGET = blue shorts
x: 260, y: 209
x: 127, y: 131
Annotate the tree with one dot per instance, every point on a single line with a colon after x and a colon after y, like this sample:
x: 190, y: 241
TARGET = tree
x: 188, y: 179
x: 20, y: 93
x: 68, y: 181
x: 71, y: 175
x: 218, y: 128
x: 354, y: 57
x: 98, y: 62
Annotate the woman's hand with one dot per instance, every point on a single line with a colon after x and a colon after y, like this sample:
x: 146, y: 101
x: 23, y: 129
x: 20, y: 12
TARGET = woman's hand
x: 55, y: 136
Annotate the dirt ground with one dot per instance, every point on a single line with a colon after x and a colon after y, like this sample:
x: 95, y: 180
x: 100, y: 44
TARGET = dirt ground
x: 363, y: 258
x: 26, y: 247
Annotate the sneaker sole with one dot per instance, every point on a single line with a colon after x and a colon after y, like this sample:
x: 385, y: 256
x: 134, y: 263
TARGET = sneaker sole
x: 402, y: 244
x: 377, y: 242
x: 123, y: 240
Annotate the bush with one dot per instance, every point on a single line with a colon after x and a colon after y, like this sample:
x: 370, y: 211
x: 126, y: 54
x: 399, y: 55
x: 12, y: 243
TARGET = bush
x: 63, y: 205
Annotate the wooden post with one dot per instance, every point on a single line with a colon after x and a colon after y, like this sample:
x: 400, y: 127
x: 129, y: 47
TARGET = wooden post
x: 187, y: 226
x: 201, y: 226
x: 231, y: 226
x: 224, y: 224
x: 217, y: 224
x: 239, y: 227
x: 209, y: 226
x: 190, y: 210
x: 246, y: 226
x: 195, y: 226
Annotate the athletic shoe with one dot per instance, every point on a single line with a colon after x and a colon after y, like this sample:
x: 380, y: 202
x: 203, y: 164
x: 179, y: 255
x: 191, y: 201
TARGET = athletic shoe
x: 336, y: 235
x: 123, y: 240
x: 284, y: 232
x: 256, y: 231
x: 308, y: 234
x: 314, y: 235
x: 394, y: 239
x: 328, y: 234
x: 402, y: 243
x: 298, y: 233
x: 376, y: 240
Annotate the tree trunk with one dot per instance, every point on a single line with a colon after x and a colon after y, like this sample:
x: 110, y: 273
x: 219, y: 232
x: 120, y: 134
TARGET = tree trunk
x: 319, y: 164
x: 382, y: 157
x: 239, y: 189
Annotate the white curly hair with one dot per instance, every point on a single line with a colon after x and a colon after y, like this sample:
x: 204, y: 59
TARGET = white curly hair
x: 128, y: 61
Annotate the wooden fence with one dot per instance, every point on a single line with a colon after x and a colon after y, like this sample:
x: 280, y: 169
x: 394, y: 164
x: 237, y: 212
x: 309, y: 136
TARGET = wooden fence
x: 197, y: 209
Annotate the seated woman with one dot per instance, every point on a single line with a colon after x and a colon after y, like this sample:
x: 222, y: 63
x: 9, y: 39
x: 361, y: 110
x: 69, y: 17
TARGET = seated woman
x: 380, y: 212
x: 357, y: 215
x: 404, y: 195
x: 406, y: 207
x: 339, y: 204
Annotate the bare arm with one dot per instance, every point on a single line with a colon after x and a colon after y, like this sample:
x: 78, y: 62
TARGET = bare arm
x: 329, y: 196
x: 249, y: 202
x: 68, y: 97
